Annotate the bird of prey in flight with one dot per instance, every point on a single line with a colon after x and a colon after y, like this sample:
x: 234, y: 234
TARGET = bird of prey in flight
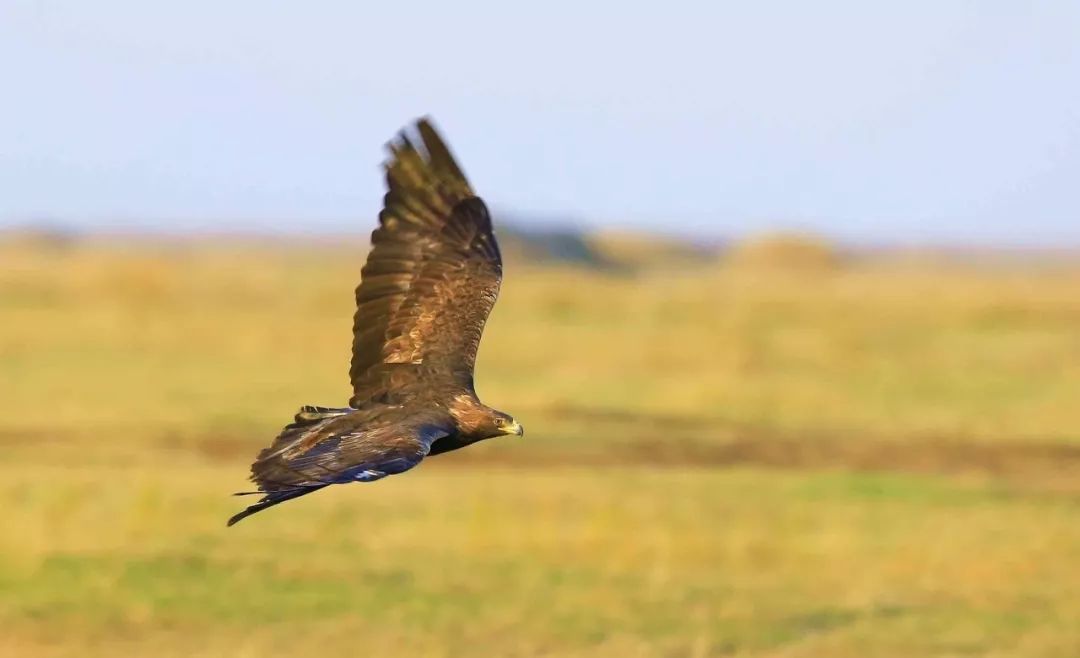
x: 430, y: 281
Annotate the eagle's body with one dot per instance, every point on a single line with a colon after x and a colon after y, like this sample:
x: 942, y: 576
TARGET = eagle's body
x: 429, y: 283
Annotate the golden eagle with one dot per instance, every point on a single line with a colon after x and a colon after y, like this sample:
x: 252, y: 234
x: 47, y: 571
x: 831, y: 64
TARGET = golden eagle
x: 427, y: 288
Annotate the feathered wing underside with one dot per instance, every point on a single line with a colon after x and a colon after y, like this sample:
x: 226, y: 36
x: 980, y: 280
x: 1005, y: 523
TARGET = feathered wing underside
x: 337, y: 448
x: 431, y: 278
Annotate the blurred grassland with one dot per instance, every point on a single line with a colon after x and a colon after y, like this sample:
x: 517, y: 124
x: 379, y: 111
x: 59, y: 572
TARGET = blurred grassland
x: 848, y: 458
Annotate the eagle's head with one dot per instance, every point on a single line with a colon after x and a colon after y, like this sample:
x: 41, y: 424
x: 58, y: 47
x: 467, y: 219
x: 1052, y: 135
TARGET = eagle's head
x: 504, y: 424
x: 478, y: 421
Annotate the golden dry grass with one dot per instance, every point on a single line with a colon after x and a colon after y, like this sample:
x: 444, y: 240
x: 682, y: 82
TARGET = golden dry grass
x: 865, y: 460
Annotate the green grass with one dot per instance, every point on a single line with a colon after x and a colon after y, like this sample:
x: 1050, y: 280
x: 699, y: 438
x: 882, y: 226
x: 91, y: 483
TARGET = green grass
x: 523, y: 562
x: 870, y: 460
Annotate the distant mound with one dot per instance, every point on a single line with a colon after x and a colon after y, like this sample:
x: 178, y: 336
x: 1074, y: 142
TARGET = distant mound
x: 645, y: 250
x: 785, y: 251
x: 549, y: 246
x: 42, y: 235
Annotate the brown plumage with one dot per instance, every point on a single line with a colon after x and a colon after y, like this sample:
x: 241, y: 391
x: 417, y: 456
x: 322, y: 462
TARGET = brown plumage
x: 429, y: 283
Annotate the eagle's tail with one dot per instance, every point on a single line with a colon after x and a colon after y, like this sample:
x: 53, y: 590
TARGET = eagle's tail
x: 271, y: 499
x: 277, y: 482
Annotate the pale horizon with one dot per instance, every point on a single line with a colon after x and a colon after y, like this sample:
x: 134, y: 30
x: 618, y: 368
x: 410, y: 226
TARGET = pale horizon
x: 934, y: 124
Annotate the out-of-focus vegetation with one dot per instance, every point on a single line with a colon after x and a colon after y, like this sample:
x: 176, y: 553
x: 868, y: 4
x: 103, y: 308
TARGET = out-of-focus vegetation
x: 869, y: 458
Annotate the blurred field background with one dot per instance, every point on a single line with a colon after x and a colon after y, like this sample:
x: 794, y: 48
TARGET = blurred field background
x: 778, y: 448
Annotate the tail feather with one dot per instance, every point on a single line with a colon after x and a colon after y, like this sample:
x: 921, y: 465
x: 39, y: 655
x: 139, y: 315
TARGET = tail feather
x: 271, y: 499
x: 277, y: 480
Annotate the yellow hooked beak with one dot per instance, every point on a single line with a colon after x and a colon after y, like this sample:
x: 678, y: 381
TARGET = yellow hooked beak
x: 514, y: 428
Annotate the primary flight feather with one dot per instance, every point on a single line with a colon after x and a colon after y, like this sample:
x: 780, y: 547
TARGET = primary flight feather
x: 429, y: 283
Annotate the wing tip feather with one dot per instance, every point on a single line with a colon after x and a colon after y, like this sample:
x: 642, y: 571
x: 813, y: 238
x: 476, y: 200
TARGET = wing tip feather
x: 430, y: 150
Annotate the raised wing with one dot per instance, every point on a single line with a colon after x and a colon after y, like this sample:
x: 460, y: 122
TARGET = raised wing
x: 359, y: 447
x: 431, y: 278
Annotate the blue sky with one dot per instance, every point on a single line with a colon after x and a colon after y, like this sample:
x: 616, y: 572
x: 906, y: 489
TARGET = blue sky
x: 946, y: 122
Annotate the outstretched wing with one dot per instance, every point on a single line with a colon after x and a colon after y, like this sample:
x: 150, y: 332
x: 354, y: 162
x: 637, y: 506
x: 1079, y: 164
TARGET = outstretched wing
x: 359, y: 447
x: 431, y: 277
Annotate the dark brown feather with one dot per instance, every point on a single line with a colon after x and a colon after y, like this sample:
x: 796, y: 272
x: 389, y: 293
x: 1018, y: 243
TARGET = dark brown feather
x: 431, y: 277
x: 338, y: 448
x: 309, y: 454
